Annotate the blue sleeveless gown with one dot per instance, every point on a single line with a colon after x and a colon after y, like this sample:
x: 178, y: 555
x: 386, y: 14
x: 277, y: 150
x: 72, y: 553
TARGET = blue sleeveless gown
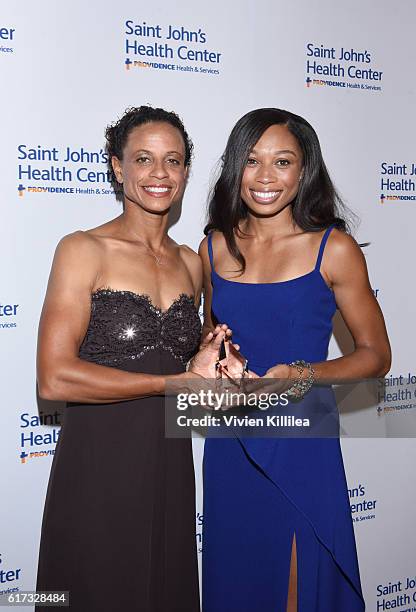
x: 259, y: 492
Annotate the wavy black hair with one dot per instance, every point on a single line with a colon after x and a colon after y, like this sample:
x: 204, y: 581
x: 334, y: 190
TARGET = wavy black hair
x: 117, y: 133
x: 316, y: 206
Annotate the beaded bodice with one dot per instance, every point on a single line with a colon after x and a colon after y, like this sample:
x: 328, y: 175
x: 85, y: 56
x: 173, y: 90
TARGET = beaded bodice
x: 126, y: 325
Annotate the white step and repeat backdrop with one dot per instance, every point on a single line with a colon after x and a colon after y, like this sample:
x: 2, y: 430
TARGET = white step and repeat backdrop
x: 69, y: 69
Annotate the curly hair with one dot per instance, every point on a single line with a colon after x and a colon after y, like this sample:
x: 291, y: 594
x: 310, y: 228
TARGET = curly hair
x: 117, y: 133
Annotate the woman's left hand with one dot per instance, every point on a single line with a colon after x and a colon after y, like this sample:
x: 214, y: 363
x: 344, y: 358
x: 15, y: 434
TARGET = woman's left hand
x: 279, y: 378
x: 281, y: 370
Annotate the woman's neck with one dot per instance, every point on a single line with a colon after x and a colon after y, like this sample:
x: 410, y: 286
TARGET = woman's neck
x: 147, y: 227
x: 266, y: 228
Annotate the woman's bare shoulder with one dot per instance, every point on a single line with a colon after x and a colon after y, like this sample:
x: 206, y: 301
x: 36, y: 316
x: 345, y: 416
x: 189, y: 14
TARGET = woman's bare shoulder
x: 343, y: 258
x: 78, y: 259
x: 217, y: 241
x: 341, y: 245
x: 79, y: 244
x: 190, y: 257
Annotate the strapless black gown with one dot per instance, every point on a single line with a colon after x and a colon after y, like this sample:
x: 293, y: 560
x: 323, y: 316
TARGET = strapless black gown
x: 118, y: 529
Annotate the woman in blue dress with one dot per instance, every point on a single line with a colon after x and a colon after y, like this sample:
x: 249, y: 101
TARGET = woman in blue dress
x: 278, y: 262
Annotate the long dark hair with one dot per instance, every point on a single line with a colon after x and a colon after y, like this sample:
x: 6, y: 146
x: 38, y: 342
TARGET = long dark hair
x: 316, y: 206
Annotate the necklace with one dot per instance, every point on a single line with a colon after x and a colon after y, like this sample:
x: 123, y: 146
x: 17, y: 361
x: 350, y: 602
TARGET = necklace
x: 159, y: 261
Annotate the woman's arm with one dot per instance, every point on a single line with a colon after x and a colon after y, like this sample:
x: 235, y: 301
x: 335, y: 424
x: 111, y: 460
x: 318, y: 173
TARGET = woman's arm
x: 62, y: 375
x: 209, y: 324
x: 345, y: 269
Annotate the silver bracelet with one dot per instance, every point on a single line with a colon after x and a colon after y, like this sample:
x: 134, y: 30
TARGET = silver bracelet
x: 302, y: 385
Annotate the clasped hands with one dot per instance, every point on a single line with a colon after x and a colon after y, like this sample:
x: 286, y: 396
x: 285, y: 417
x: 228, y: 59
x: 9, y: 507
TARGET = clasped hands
x: 218, y: 371
x: 206, y: 363
x: 210, y: 363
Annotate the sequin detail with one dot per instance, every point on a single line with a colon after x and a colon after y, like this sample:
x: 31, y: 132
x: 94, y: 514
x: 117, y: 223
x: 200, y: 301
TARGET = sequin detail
x: 126, y: 325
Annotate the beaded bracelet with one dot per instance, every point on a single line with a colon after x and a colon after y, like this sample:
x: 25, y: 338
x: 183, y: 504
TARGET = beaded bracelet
x: 302, y: 385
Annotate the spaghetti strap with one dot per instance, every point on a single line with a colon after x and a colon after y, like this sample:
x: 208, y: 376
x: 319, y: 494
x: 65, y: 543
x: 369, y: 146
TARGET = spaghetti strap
x: 210, y: 252
x: 322, y: 247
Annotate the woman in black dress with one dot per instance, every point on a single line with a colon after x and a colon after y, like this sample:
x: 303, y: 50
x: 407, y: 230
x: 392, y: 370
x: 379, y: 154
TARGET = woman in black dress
x: 121, y: 318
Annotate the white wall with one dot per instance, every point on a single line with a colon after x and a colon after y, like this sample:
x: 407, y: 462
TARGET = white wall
x: 65, y: 79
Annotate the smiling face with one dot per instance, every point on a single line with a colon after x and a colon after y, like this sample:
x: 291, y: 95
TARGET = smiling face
x: 152, y: 170
x: 271, y: 177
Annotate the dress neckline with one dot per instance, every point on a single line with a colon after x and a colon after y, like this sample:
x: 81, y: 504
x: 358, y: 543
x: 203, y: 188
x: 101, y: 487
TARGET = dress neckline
x: 316, y: 269
x: 275, y: 283
x: 146, y: 298
x: 290, y: 280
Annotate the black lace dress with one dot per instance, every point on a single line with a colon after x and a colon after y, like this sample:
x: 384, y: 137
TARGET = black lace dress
x: 118, y: 529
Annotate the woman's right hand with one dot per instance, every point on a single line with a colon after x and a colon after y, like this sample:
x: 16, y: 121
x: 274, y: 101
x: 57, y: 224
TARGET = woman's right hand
x: 203, y: 363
